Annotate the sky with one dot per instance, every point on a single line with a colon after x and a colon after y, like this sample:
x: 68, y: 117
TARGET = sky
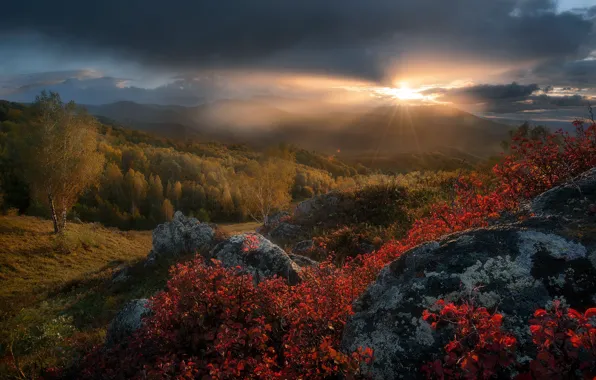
x: 495, y: 57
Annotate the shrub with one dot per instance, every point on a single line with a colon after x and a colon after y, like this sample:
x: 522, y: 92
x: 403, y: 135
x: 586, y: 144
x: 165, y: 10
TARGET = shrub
x: 213, y: 322
x: 479, y: 349
x: 565, y: 340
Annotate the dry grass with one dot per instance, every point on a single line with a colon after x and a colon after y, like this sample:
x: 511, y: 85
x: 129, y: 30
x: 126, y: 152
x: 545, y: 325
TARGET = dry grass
x: 56, y: 293
x: 57, y: 296
x: 239, y: 228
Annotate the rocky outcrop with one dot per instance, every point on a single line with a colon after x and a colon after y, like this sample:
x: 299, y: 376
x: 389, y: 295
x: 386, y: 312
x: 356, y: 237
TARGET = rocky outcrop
x: 571, y: 200
x: 302, y: 261
x: 514, y: 268
x: 257, y: 256
x: 276, y: 218
x: 286, y: 232
x: 307, y: 208
x: 180, y: 236
x: 303, y: 247
x: 128, y: 320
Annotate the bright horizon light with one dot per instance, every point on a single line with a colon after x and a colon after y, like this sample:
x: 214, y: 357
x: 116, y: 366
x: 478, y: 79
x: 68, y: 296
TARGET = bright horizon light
x: 403, y: 92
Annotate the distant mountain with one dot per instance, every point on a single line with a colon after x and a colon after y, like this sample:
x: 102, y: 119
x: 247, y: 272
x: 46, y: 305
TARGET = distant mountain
x: 375, y: 132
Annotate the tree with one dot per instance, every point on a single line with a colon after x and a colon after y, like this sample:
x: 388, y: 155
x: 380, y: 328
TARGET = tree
x: 268, y: 188
x: 61, y: 159
x: 136, y: 187
x: 174, y: 192
x: 167, y: 210
x: 155, y: 196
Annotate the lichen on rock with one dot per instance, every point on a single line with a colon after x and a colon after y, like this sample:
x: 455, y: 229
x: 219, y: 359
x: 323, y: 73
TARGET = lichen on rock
x: 127, y: 321
x: 257, y: 256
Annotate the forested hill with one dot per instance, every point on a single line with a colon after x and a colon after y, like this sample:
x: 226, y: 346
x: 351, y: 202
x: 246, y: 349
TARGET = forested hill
x: 378, y: 135
x: 146, y: 176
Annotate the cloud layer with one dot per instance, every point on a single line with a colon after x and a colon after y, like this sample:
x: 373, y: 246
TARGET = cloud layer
x: 352, y: 37
x: 505, y: 56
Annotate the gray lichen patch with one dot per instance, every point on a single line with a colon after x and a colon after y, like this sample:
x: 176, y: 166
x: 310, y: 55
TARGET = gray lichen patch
x: 558, y: 247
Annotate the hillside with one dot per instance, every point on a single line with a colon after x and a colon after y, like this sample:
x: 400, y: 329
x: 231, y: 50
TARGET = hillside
x: 147, y: 176
x: 463, y: 247
x: 499, y: 279
x: 380, y: 131
x: 44, y: 278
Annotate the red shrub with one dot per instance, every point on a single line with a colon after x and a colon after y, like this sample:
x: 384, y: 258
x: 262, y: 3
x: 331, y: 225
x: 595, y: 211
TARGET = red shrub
x: 566, y: 343
x: 535, y: 166
x: 479, y: 349
x: 213, y: 323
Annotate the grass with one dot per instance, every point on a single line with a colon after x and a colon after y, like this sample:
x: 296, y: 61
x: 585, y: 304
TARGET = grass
x: 56, y: 292
x: 239, y: 228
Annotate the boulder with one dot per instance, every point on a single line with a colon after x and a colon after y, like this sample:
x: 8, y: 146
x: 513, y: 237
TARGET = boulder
x: 121, y: 275
x: 513, y: 268
x: 571, y: 200
x: 306, y: 208
x: 257, y: 256
x: 303, y: 261
x: 285, y: 232
x: 276, y: 218
x: 181, y: 236
x: 303, y: 247
x: 128, y: 320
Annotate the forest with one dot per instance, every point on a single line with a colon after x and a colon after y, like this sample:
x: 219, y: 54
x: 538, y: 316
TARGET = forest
x: 145, y: 178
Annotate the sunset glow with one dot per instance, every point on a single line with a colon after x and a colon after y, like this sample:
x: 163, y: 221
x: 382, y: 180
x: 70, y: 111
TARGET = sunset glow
x: 403, y: 93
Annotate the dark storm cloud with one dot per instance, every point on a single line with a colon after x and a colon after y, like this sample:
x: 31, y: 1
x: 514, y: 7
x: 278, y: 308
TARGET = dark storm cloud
x: 579, y: 73
x: 333, y: 36
x: 484, y: 93
x: 542, y: 103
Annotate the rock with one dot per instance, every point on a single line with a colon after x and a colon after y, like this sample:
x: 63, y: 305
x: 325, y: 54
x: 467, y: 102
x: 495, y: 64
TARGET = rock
x: 303, y: 247
x: 514, y: 268
x: 276, y: 218
x: 306, y: 208
x: 127, y: 321
x: 567, y: 197
x: 303, y: 261
x: 365, y: 247
x: 261, y: 259
x: 120, y: 275
x: 181, y: 236
x: 286, y: 232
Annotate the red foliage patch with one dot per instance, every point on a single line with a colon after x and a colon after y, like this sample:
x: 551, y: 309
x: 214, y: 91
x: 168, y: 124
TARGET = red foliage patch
x: 479, y: 350
x: 213, y: 323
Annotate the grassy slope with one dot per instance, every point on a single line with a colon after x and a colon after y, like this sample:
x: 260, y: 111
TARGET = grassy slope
x: 44, y: 277
x: 239, y: 228
x: 57, y: 296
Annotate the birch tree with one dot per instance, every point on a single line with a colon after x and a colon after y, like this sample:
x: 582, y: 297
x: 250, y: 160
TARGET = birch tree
x: 61, y: 159
x: 268, y: 188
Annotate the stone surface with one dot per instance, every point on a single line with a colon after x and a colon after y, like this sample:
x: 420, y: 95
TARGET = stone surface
x: 276, y: 218
x: 261, y: 259
x: 303, y: 247
x: 571, y: 200
x: 308, y: 207
x: 303, y: 261
x: 127, y: 321
x: 513, y: 268
x: 120, y: 275
x: 181, y: 236
x: 285, y: 232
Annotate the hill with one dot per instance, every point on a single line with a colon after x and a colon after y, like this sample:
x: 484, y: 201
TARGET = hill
x: 147, y: 175
x: 44, y: 277
x: 374, y: 132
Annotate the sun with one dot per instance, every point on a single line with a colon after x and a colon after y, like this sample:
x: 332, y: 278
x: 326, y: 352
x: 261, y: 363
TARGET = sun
x: 403, y: 92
